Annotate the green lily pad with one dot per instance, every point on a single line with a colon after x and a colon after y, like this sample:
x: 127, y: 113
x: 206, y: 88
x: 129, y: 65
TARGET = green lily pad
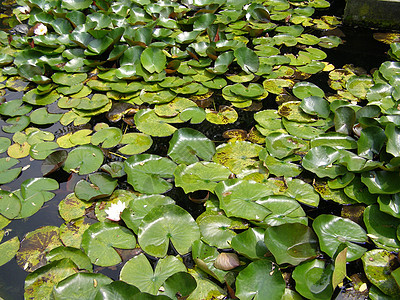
x: 102, y: 185
x: 381, y: 182
x: 136, y: 143
x: 390, y: 204
x: 35, y: 245
x: 240, y: 199
x: 283, y: 210
x: 40, y: 283
x: 14, y: 108
x: 382, y: 228
x: 345, y: 117
x: 225, y: 115
x: 33, y: 97
x: 180, y: 283
x: 165, y: 224
x: 9, y: 249
x: 41, y: 116
x: 34, y: 193
x: 69, y: 79
x: 53, y: 161
x: 253, y: 90
x: 237, y: 156
x: 217, y: 230
x: 303, y: 90
x: 41, y: 150
x: 320, y: 160
x: 279, y: 167
x: 281, y: 145
x: 247, y: 59
x: 4, y: 144
x: 315, y: 106
x: 193, y: 114
x: 10, y: 204
x: 258, y: 279
x: 153, y: 59
x: 6, y: 173
x: 377, y: 265
x: 250, y: 243
x: 146, y: 173
x: 149, y: 123
x: 291, y: 243
x: 314, y: 279
x: 200, y: 176
x: 99, y: 241
x: 16, y: 124
x: 302, y: 192
x: 79, y: 258
x: 139, y: 272
x: 291, y: 111
x: 109, y: 137
x: 140, y: 207
x: 80, y: 285
x: 188, y: 145
x: 117, y: 290
x: 72, y: 207
x: 84, y: 159
x: 71, y: 232
x: 334, y: 231
x: 335, y: 140
x: 163, y: 96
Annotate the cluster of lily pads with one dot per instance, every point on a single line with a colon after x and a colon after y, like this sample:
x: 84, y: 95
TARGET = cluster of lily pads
x: 168, y: 69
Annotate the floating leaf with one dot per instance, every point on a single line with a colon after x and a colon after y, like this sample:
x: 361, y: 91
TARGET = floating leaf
x: 40, y: 283
x: 138, y: 272
x: 250, y: 243
x: 334, y: 231
x: 80, y: 285
x: 146, y: 173
x: 291, y: 243
x: 6, y: 173
x: 102, y: 185
x: 79, y: 258
x: 35, y: 245
x: 153, y: 59
x: 314, y: 279
x: 247, y: 59
x: 258, y: 279
x: 188, y: 145
x: 217, y: 230
x: 200, y: 176
x: 165, y: 224
x: 382, y: 228
x: 84, y: 159
x: 99, y: 241
x: 376, y: 264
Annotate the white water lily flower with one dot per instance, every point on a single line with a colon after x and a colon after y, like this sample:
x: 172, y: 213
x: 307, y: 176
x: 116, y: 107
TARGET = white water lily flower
x: 24, y: 9
x: 41, y: 29
x: 115, y: 210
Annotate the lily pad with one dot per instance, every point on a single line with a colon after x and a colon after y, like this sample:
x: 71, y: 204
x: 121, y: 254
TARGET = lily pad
x: 303, y: 90
x: 6, y: 173
x: 382, y: 228
x: 217, y: 230
x: 188, y: 145
x: 314, y: 279
x: 9, y: 249
x: 377, y: 265
x: 250, y: 243
x: 40, y: 283
x: 102, y: 185
x: 149, y: 123
x: 258, y: 279
x: 165, y: 224
x: 84, y: 159
x: 10, y: 204
x: 139, y: 272
x: 291, y: 243
x: 239, y: 198
x: 35, y: 245
x: 99, y: 241
x: 334, y: 231
x: 200, y: 176
x: 80, y: 285
x: 225, y: 115
x: 146, y: 173
x: 79, y: 258
x: 72, y: 208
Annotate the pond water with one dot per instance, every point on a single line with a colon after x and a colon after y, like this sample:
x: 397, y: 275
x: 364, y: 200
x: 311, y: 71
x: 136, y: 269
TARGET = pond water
x: 359, y: 49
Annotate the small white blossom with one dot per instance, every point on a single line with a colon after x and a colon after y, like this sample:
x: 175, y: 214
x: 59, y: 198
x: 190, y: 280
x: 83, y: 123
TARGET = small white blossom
x: 115, y: 210
x: 24, y: 9
x: 41, y: 29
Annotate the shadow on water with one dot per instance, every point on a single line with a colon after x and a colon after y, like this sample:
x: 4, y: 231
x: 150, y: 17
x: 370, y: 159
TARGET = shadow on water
x: 359, y: 49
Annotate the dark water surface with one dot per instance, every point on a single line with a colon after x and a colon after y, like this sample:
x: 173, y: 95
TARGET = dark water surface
x: 359, y: 49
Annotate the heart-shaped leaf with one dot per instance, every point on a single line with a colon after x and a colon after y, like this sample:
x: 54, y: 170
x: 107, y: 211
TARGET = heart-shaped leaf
x: 99, y: 241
